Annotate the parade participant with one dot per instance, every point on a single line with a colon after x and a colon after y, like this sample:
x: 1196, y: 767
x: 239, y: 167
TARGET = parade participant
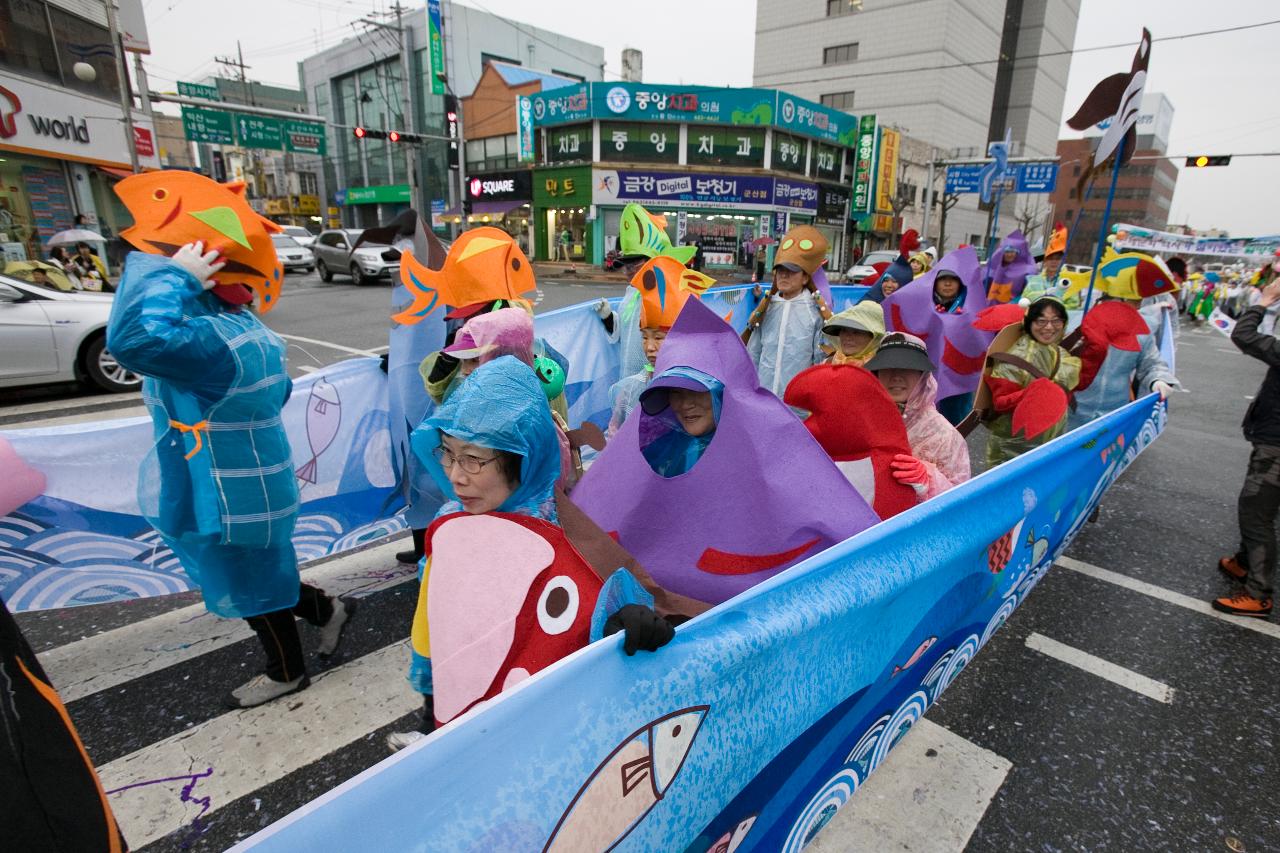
x: 785, y: 338
x: 1045, y: 282
x: 940, y: 308
x: 939, y: 457
x: 855, y: 333
x: 852, y: 417
x: 898, y: 273
x: 504, y: 598
x: 921, y: 263
x: 1254, y: 564
x: 1203, y: 300
x: 1007, y: 270
x: 700, y: 534
x: 1035, y: 354
x: 219, y: 485
x: 684, y: 407
x: 664, y: 285
x: 1117, y: 352
x: 53, y: 799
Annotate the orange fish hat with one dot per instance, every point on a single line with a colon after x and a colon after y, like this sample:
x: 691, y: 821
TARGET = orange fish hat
x: 172, y: 208
x: 665, y: 285
x: 483, y: 266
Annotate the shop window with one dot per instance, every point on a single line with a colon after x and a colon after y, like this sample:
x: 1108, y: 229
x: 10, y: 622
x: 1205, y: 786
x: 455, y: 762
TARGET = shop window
x: 79, y: 40
x: 838, y: 100
x: 568, y: 144
x: 840, y: 54
x: 789, y: 153
x: 728, y: 146
x: 25, y: 43
x: 631, y: 142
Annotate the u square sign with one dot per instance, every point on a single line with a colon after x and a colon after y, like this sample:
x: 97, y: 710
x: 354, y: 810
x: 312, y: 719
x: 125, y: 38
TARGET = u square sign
x: 501, y: 186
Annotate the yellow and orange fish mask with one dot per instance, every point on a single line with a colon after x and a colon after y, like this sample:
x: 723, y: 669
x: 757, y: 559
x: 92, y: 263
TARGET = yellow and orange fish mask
x: 665, y: 285
x: 483, y: 265
x: 173, y: 208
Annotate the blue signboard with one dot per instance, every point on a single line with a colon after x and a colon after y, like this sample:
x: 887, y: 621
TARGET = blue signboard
x: 719, y: 192
x: 964, y: 179
x: 1020, y: 177
x: 796, y: 195
x: 1037, y: 177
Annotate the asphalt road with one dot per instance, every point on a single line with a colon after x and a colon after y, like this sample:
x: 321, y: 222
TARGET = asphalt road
x: 322, y: 323
x: 1110, y: 713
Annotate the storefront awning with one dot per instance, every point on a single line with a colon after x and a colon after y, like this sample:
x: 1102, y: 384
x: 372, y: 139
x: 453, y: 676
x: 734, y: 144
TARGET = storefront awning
x: 493, y: 208
x: 117, y: 174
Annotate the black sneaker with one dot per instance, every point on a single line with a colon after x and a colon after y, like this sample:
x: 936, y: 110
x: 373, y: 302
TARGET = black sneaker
x: 411, y: 558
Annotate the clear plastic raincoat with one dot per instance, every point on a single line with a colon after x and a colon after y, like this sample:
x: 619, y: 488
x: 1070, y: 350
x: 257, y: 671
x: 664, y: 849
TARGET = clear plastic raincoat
x: 934, y: 441
x: 788, y: 341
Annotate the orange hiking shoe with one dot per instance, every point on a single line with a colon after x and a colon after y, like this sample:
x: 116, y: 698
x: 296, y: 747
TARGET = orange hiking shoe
x: 1243, y: 604
x: 1231, y: 567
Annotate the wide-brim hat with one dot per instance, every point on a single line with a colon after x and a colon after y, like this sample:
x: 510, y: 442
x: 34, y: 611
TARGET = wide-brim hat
x: 897, y: 351
x: 837, y: 322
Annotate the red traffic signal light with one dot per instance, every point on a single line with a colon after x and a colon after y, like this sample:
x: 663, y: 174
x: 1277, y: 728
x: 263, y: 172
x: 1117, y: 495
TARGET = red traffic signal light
x: 394, y: 136
x: 366, y: 133
x: 1204, y: 160
x: 359, y: 133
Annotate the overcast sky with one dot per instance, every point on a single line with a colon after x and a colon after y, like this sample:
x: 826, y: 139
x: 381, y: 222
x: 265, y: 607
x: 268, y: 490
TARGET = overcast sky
x: 1221, y: 86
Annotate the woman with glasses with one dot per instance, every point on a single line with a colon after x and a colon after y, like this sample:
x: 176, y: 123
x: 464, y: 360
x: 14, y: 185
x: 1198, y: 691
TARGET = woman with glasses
x: 503, y: 593
x: 1039, y: 350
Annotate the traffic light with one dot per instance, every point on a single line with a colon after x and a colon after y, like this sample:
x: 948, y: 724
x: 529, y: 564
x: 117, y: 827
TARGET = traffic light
x: 1203, y: 160
x: 366, y: 133
x: 451, y: 128
x: 394, y: 135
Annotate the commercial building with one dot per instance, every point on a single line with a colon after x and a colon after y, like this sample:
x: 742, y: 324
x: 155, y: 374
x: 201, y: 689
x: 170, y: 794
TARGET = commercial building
x: 359, y: 82
x: 1144, y: 188
x: 725, y: 166
x: 63, y: 143
x: 952, y: 74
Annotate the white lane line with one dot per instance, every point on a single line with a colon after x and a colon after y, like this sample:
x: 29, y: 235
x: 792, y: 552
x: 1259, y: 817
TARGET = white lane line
x: 381, y: 349
x: 246, y: 750
x: 307, y: 368
x: 104, y: 401
x: 329, y: 344
x: 929, y: 794
x: 114, y: 657
x: 82, y: 418
x: 1093, y: 665
x: 1262, y: 626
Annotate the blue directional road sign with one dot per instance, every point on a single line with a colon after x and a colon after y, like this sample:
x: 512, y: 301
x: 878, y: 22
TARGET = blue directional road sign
x: 1037, y: 177
x: 1019, y: 177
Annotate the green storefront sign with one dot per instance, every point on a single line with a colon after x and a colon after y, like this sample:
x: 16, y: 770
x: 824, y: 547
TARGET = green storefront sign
x: 198, y: 90
x: 393, y: 194
x: 863, y: 166
x: 201, y: 125
x: 726, y: 146
x: 650, y: 143
x: 559, y: 194
x: 572, y: 143
x: 260, y: 132
x: 562, y: 187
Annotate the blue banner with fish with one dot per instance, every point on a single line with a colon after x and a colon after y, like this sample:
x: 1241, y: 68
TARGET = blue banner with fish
x: 766, y: 714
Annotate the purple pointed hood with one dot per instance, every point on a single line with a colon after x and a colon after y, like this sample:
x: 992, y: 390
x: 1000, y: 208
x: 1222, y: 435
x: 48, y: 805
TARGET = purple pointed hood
x: 760, y: 499
x: 1015, y: 273
x: 956, y: 349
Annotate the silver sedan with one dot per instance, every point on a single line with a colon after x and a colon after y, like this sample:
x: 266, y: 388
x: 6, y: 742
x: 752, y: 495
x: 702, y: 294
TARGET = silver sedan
x: 49, y: 335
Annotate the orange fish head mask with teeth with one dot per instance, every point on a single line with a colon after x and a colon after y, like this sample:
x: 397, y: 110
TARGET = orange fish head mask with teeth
x: 173, y: 208
x: 665, y: 285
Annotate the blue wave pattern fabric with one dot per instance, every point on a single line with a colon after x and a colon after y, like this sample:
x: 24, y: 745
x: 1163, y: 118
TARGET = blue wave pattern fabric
x: 219, y: 483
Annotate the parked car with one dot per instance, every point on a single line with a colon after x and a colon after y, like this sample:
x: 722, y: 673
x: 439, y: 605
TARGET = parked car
x: 304, y: 237
x: 50, y: 335
x: 365, y: 265
x: 293, y: 255
x: 863, y: 269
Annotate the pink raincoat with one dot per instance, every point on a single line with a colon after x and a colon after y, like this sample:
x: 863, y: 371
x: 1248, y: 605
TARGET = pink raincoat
x: 934, y: 441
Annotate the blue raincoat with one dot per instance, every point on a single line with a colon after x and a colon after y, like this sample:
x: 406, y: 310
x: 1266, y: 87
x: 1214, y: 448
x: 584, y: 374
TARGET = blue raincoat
x: 219, y: 483
x: 623, y: 397
x: 669, y: 450
x: 788, y: 341
x: 502, y: 406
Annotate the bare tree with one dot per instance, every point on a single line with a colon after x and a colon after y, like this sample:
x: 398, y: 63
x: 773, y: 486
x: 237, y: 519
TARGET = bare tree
x: 948, y: 201
x: 1030, y: 217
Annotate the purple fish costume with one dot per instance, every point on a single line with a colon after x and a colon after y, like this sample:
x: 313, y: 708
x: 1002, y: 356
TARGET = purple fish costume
x: 762, y: 497
x: 956, y: 349
x: 1005, y: 282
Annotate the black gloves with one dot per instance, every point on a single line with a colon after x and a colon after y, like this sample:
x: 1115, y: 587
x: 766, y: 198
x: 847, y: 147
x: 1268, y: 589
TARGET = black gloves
x: 445, y: 364
x: 643, y: 629
x: 383, y: 361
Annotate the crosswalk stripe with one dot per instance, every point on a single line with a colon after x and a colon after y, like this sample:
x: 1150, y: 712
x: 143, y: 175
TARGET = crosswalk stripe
x: 1116, y: 674
x: 1250, y: 623
x: 929, y: 794
x: 87, y: 666
x: 179, y: 781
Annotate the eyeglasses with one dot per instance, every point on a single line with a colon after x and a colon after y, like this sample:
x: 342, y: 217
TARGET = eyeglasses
x: 470, y: 464
x: 1048, y: 323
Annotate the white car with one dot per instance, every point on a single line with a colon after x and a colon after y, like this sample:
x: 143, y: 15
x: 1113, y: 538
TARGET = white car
x: 292, y: 254
x: 863, y: 269
x: 49, y: 335
x: 303, y: 237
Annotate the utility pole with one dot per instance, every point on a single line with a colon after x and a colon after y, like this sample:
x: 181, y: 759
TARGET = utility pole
x: 247, y: 89
x: 406, y: 97
x: 126, y: 97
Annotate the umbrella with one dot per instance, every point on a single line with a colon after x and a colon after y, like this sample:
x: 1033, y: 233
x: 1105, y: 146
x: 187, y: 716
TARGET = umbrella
x: 764, y: 241
x: 24, y: 270
x: 75, y: 235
